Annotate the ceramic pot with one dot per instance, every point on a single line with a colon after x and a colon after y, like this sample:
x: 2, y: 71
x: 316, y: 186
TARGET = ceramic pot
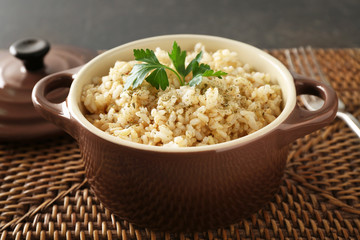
x: 190, y: 188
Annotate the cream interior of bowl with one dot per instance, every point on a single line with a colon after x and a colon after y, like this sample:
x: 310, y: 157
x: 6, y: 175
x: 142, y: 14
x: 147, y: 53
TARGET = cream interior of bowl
x: 257, y: 58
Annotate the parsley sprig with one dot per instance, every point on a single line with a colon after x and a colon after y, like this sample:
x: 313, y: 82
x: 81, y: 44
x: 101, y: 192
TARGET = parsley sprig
x: 154, y: 72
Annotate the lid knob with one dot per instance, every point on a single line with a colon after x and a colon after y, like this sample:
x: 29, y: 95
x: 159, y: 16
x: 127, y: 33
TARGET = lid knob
x: 31, y: 51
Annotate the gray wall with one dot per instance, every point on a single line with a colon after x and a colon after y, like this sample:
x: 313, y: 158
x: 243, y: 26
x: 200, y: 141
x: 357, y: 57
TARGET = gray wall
x: 102, y: 24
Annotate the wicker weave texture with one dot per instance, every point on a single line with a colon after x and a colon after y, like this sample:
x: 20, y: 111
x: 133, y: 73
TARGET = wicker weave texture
x: 44, y: 194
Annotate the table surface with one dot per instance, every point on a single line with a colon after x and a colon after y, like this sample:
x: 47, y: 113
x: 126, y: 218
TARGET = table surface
x: 44, y: 193
x: 105, y: 24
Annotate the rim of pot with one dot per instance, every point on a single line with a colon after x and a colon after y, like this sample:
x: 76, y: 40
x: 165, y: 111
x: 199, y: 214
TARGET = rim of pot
x: 287, y: 88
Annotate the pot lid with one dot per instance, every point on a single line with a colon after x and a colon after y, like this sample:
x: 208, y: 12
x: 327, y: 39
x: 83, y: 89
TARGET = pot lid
x: 26, y: 62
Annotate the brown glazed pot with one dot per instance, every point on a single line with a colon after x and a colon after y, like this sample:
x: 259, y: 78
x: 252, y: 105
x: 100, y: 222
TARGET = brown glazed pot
x: 191, y: 188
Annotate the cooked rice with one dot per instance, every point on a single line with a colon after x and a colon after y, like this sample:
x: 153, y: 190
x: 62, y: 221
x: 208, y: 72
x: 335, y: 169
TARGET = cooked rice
x: 215, y: 111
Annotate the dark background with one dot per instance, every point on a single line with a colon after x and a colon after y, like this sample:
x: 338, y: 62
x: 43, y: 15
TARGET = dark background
x: 103, y: 24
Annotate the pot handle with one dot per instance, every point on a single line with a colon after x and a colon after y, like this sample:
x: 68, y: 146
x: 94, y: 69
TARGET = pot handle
x: 57, y: 113
x: 302, y: 121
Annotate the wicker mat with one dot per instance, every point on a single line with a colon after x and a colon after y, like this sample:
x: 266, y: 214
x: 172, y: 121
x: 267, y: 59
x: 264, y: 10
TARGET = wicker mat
x: 44, y: 194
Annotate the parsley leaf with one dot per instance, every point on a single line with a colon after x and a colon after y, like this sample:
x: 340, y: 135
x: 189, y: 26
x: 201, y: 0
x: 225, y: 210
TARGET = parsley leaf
x: 203, y: 70
x: 158, y: 78
x: 155, y: 73
x: 140, y: 72
x: 178, y: 58
x: 147, y: 56
x: 193, y: 62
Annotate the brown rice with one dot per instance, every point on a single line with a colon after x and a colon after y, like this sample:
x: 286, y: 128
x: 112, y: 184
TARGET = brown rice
x: 215, y: 111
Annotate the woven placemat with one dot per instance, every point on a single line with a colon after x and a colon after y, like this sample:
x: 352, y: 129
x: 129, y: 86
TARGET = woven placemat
x: 44, y: 194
